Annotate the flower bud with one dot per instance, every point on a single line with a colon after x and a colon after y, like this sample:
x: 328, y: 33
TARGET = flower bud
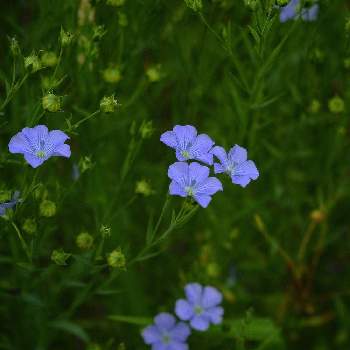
x: 108, y: 104
x: 51, y: 102
x: 112, y: 75
x: 59, y: 257
x: 85, y: 164
x: 154, y: 73
x: 32, y: 62
x: 122, y: 19
x: 66, y: 37
x: 143, y: 187
x: 336, y: 105
x: 14, y: 47
x: 315, y: 106
x: 84, y: 241
x: 317, y: 215
x: 251, y: 4
x: 195, y: 5
x: 146, y: 129
x: 49, y: 59
x: 105, y: 231
x: 282, y: 2
x: 116, y: 259
x: 47, y: 208
x: 29, y: 226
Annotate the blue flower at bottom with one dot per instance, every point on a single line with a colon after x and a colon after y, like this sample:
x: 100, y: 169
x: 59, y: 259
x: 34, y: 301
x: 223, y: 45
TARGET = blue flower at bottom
x: 166, y: 334
x: 188, y: 145
x: 193, y: 180
x: 201, y: 307
x: 293, y: 11
x: 8, y: 205
x: 235, y: 164
x: 38, y: 144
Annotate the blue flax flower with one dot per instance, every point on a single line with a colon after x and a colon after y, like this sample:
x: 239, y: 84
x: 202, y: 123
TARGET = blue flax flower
x: 193, y: 180
x: 38, y: 144
x: 294, y: 11
x: 236, y: 165
x: 166, y: 334
x: 8, y: 205
x: 201, y: 307
x: 189, y: 145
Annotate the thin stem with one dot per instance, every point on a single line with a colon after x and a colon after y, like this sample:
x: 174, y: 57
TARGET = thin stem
x: 306, y: 239
x: 23, y: 242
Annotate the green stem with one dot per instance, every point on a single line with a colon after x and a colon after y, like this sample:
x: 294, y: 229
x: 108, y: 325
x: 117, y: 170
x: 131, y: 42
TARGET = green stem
x: 23, y: 242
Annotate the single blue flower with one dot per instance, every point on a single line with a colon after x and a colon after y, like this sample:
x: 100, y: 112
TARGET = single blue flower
x: 193, y: 180
x: 294, y: 11
x: 189, y: 145
x: 201, y: 307
x: 166, y: 334
x: 8, y: 205
x: 235, y: 164
x: 38, y: 144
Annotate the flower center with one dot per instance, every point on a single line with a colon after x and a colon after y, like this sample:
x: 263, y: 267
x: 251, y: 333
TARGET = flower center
x: 198, y: 310
x: 189, y: 190
x: 230, y: 169
x: 166, y: 339
x: 40, y: 154
x: 185, y: 154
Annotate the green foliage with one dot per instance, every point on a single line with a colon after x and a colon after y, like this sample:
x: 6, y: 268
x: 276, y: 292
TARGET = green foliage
x: 96, y: 247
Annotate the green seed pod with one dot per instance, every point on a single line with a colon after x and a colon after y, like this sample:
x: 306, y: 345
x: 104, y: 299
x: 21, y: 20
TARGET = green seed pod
x: 116, y: 259
x: 49, y: 59
x: 315, y: 106
x: 195, y: 5
x: 108, y: 104
x: 84, y: 241
x: 336, y: 105
x: 66, y: 37
x: 146, y: 129
x: 154, y: 73
x: 144, y: 188
x: 14, y: 47
x: 282, y: 2
x: 59, y: 257
x: 112, y: 75
x: 30, y: 226
x: 105, y: 231
x: 32, y: 63
x: 51, y: 102
x: 47, y: 208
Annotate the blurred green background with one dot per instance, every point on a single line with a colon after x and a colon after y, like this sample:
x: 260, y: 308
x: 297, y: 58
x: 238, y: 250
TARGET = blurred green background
x: 279, y: 250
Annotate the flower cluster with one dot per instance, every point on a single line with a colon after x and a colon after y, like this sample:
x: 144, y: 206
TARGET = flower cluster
x: 296, y: 10
x: 192, y: 179
x: 200, y: 308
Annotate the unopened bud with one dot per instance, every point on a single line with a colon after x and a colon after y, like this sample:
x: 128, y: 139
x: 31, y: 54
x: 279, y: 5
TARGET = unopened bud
x: 47, y: 208
x: 30, y: 226
x: 336, y: 105
x: 14, y: 47
x: 32, y: 62
x: 66, y: 37
x: 108, y: 104
x: 317, y: 215
x: 195, y: 5
x: 84, y: 241
x: 112, y: 75
x: 146, y: 129
x: 116, y: 259
x: 105, y: 231
x: 51, y: 102
x: 59, y: 257
x: 144, y: 188
x: 49, y: 59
